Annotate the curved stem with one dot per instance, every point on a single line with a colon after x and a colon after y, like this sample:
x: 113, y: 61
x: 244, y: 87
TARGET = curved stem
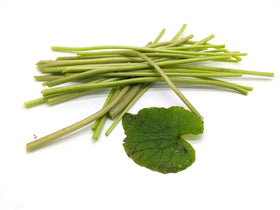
x: 141, y: 49
x: 88, y: 86
x: 69, y: 129
x: 170, y: 83
x: 89, y: 61
x: 218, y: 69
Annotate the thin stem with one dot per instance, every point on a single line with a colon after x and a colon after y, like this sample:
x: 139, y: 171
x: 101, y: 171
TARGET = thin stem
x: 179, y: 33
x: 68, y: 96
x: 159, y: 44
x: 124, y: 101
x: 180, y: 41
x: 80, y: 68
x: 192, y: 60
x: 109, y: 53
x: 141, y: 49
x: 100, y: 55
x: 246, y: 88
x: 101, y: 121
x: 44, y: 78
x: 176, y: 55
x: 65, y: 97
x: 215, y: 82
x: 88, y: 86
x: 90, y: 73
x: 171, y: 43
x: 89, y: 61
x: 147, y: 73
x: 137, y: 66
x: 159, y: 36
x: 69, y: 129
x: 139, y: 94
x: 206, y: 46
x: 170, y: 83
x: 109, y: 97
x: 132, y: 102
x: 115, y: 94
x: 238, y: 58
x: 217, y: 69
x: 205, y: 40
x: 34, y: 102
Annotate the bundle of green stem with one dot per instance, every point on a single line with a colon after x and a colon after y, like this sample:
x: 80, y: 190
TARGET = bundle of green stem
x: 129, y: 71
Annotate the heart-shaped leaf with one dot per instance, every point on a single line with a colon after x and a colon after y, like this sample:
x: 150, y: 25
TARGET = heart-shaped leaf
x: 154, y: 138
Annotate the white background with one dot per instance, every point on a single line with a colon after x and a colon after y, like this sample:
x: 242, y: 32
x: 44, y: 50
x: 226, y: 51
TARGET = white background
x: 237, y: 157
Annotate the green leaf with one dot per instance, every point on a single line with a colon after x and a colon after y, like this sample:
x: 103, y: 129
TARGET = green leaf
x: 154, y: 138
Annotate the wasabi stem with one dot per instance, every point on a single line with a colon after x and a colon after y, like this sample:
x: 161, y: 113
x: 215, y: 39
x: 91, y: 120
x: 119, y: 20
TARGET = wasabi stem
x: 130, y: 71
x: 179, y: 42
x: 166, y: 44
x: 243, y: 87
x: 58, y: 98
x: 65, y: 97
x: 99, y: 123
x: 99, y: 54
x: 114, y: 94
x: 217, y: 69
x: 140, y: 49
x: 179, y: 33
x: 139, y: 94
x: 88, y: 86
x: 80, y: 68
x: 124, y: 101
x: 205, y: 40
x: 145, y: 73
x: 138, y: 66
x: 69, y: 129
x: 206, y: 46
x: 44, y: 78
x: 89, y: 61
x: 132, y: 102
x: 159, y: 36
x: 34, y: 102
x: 170, y: 83
x: 97, y: 131
x: 109, y: 97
